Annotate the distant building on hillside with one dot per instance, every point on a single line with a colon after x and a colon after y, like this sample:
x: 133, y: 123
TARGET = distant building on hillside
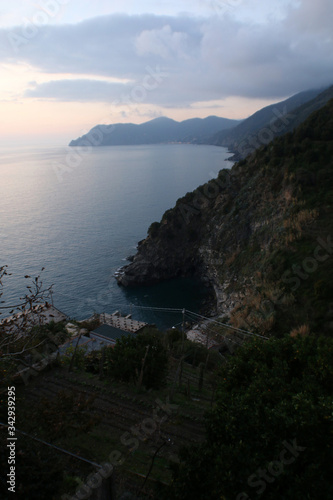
x: 39, y: 314
x: 125, y: 323
x: 114, y: 327
x: 110, y: 334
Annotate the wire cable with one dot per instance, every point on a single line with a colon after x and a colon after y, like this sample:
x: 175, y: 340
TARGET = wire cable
x: 54, y: 446
x: 161, y: 309
x: 245, y: 332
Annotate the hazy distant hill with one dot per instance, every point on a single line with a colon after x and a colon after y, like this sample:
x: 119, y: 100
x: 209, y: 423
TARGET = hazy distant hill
x: 304, y: 111
x: 159, y: 130
x: 271, y: 121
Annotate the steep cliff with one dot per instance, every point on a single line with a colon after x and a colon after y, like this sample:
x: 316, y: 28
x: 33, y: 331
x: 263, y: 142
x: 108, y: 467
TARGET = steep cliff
x: 259, y: 234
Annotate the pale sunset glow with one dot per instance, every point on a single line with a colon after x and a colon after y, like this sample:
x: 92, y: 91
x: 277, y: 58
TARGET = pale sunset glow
x: 166, y: 314
x: 67, y: 65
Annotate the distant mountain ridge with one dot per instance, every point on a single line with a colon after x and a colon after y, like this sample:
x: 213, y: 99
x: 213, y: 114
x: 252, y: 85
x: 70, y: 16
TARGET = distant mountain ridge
x: 242, y: 137
x: 274, y: 120
x: 159, y: 130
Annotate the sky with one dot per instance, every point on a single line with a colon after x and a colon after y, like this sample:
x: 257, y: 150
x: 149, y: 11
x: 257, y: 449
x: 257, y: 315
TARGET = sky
x: 68, y: 65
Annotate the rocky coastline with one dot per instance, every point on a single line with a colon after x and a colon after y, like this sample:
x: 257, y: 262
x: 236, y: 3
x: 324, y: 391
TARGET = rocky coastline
x: 180, y: 245
x: 245, y: 233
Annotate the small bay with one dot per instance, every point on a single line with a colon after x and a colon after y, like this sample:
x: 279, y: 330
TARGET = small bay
x: 79, y: 214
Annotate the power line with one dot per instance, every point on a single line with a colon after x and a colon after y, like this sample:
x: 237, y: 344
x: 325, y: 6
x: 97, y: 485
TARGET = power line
x: 161, y: 309
x: 175, y: 310
x: 221, y: 335
x: 245, y: 332
x: 55, y: 447
x: 225, y: 338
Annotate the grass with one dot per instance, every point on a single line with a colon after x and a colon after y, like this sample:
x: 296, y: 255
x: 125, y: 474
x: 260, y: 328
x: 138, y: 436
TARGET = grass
x: 117, y: 409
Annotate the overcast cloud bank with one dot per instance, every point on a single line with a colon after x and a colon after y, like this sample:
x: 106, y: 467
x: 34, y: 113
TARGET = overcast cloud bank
x: 205, y: 58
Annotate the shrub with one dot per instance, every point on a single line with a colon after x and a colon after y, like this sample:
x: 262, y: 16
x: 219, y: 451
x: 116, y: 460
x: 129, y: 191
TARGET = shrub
x: 269, y: 394
x: 140, y: 359
x: 153, y: 229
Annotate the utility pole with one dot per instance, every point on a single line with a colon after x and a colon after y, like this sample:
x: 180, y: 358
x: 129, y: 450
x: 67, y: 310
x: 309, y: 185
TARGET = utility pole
x: 183, y: 329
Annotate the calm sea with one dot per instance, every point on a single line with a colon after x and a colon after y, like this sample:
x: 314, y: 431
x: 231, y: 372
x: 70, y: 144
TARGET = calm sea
x: 79, y: 214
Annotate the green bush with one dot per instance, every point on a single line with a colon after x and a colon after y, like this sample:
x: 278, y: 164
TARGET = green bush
x: 79, y: 360
x: 153, y: 229
x: 173, y: 335
x: 271, y: 393
x: 144, y: 354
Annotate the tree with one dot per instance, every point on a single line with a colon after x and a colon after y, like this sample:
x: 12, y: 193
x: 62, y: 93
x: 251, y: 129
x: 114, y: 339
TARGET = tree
x: 140, y: 358
x: 21, y: 332
x: 270, y: 433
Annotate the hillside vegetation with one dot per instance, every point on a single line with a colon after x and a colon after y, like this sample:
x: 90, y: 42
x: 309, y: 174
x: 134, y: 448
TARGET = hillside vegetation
x: 114, y: 406
x: 269, y: 435
x: 272, y: 121
x: 259, y: 234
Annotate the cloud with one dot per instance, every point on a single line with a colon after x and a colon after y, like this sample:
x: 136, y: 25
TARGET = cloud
x: 80, y: 90
x: 164, y: 42
x: 206, y: 59
x: 313, y: 17
x: 101, y: 46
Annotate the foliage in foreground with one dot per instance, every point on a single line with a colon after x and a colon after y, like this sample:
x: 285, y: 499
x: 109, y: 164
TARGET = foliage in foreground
x: 30, y: 484
x: 24, y: 336
x: 270, y: 434
x: 141, y: 359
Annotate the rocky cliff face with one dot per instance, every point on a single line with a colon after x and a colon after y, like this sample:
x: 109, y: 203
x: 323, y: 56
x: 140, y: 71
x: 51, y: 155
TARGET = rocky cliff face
x: 205, y: 232
x: 242, y: 232
x: 184, y: 242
